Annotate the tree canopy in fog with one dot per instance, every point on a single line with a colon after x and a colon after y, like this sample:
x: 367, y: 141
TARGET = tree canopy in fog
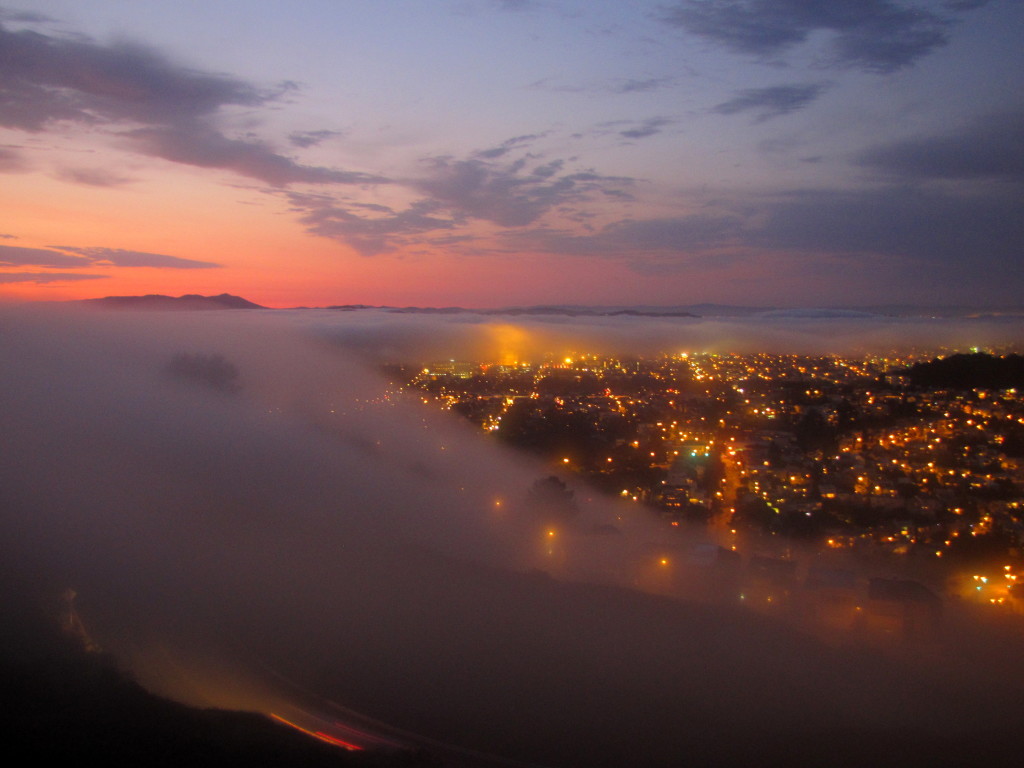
x: 208, y: 370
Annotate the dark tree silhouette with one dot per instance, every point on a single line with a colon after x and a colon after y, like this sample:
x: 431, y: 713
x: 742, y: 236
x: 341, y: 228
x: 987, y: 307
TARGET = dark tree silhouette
x: 551, y: 497
x: 813, y: 432
x: 978, y: 370
x: 212, y: 371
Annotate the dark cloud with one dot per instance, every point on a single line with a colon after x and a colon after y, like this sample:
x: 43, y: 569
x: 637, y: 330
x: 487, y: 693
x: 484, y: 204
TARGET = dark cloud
x: 49, y: 78
x: 649, y: 127
x: 767, y: 103
x: 990, y: 148
x: 874, y: 35
x: 46, y: 277
x: 121, y: 258
x: 306, y: 139
x: 207, y: 148
x: 8, y: 237
x: 13, y: 255
x: 93, y: 177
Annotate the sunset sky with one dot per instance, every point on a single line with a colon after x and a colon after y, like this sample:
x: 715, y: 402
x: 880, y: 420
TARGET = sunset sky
x: 488, y: 153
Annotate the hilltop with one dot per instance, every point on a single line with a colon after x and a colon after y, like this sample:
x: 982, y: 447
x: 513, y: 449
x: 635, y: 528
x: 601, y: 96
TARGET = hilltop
x: 190, y: 301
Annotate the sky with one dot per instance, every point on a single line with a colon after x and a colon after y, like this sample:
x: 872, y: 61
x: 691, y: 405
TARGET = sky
x: 486, y: 153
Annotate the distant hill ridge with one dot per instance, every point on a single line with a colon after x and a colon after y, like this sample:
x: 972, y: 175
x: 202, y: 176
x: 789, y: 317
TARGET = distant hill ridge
x: 189, y: 301
x: 194, y: 301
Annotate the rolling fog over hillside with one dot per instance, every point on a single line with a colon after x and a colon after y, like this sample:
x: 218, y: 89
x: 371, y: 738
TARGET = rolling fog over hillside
x: 305, y: 534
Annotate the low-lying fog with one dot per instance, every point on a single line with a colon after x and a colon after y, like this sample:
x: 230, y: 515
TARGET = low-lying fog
x: 296, y: 536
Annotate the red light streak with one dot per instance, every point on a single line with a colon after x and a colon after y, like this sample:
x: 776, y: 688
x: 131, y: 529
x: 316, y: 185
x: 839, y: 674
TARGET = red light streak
x: 317, y: 734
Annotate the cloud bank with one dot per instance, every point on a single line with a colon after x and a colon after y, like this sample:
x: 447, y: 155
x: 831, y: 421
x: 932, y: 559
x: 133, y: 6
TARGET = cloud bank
x: 992, y: 147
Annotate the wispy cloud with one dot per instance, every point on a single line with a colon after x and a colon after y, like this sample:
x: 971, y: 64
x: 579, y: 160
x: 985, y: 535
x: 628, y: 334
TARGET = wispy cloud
x: 93, y: 177
x: 118, y: 257
x: 650, y: 127
x: 641, y: 86
x: 766, y: 103
x: 482, y: 187
x: 11, y: 161
x: 76, y: 256
x: 46, y: 277
x: 15, y: 255
x: 369, y: 229
x: 509, y: 145
x: 511, y: 195
x: 604, y: 86
x: 305, y: 139
x: 205, y: 148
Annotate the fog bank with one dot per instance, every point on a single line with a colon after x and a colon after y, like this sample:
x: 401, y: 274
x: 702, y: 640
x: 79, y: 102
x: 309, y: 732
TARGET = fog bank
x: 388, y: 336
x: 306, y: 531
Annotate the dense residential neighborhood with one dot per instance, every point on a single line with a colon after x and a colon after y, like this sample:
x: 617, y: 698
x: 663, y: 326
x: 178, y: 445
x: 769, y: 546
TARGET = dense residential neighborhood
x: 892, y: 460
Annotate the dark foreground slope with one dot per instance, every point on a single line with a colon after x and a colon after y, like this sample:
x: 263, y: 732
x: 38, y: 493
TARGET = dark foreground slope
x: 64, y: 703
